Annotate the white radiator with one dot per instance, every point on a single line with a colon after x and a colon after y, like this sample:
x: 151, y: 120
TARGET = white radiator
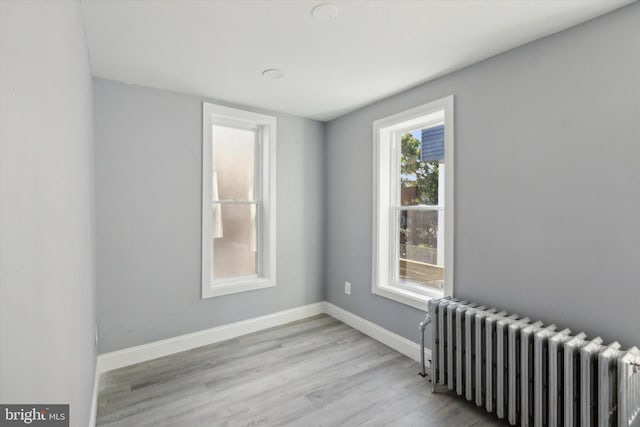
x: 531, y: 374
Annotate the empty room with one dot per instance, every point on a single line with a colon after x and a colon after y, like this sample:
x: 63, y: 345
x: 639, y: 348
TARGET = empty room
x: 319, y: 213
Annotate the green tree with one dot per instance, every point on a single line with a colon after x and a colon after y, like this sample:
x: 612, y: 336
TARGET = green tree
x: 416, y: 173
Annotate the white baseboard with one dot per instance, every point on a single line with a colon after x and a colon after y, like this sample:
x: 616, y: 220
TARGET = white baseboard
x: 378, y: 333
x: 145, y: 352
x: 142, y: 353
x: 94, y: 397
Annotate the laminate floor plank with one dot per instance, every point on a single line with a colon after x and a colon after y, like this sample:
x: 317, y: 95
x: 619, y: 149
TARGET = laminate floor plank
x: 313, y: 372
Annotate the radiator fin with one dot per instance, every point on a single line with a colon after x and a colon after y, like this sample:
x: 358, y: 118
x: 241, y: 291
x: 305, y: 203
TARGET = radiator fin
x: 629, y: 388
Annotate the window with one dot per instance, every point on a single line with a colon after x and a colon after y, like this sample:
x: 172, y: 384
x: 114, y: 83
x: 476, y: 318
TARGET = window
x: 238, y: 204
x: 413, y: 204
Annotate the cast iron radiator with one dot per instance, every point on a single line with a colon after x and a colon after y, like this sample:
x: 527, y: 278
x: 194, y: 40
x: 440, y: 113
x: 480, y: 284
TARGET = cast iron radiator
x: 529, y: 373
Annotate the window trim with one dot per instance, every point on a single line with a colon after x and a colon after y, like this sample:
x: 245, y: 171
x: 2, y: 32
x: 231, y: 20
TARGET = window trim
x: 213, y: 114
x: 383, y: 167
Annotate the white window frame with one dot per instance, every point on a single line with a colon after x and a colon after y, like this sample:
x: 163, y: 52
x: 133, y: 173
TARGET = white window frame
x: 265, y: 128
x: 386, y: 179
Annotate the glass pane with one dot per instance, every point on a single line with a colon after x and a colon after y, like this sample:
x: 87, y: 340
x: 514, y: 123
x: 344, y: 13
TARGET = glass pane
x: 234, y: 241
x: 233, y: 163
x: 421, y: 248
x: 421, y: 167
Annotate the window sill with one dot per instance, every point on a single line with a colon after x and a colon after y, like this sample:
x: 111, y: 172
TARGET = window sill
x: 234, y: 287
x: 405, y: 296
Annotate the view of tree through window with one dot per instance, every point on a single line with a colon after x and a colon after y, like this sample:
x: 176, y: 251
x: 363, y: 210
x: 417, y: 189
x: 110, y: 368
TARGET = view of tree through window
x: 422, y: 176
x: 418, y: 225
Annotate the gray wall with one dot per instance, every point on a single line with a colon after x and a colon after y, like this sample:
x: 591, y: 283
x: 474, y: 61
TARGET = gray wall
x: 547, y: 184
x: 47, y: 249
x: 148, y: 183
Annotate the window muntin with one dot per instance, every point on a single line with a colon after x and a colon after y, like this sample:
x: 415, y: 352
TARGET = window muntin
x: 413, y: 206
x: 238, y: 244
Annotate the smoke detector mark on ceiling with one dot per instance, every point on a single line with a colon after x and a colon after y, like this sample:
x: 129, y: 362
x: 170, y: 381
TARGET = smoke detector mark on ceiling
x: 324, y: 12
x: 273, y: 73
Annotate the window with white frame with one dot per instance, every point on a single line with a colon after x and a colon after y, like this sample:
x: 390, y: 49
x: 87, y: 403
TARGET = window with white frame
x: 413, y: 204
x: 238, y: 203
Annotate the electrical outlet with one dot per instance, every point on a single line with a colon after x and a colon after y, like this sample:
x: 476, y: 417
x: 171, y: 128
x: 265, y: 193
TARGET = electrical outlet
x: 347, y: 288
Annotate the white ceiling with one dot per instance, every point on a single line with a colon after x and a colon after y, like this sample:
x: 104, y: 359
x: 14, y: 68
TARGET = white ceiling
x: 371, y: 50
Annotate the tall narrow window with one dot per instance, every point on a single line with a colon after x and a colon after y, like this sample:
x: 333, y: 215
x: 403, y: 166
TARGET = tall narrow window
x: 238, y: 220
x: 413, y: 227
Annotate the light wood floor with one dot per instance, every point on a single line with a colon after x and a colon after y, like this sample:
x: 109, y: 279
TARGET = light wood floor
x: 315, y: 372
